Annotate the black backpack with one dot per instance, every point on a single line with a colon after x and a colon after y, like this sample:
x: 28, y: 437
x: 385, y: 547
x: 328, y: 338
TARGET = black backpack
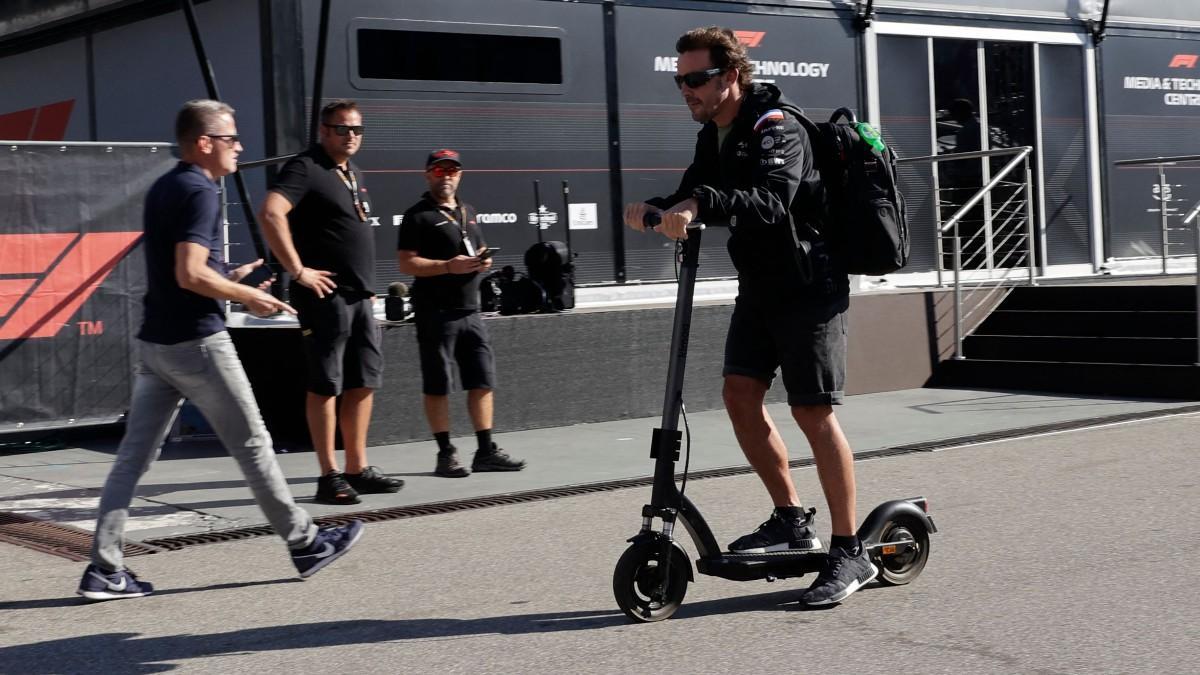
x: 549, y: 264
x: 864, y: 211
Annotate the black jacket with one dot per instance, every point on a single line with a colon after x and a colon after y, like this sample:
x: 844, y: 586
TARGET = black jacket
x: 762, y: 178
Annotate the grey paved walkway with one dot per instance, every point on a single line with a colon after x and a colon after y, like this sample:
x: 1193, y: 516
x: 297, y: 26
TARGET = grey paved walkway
x: 1046, y: 561
x: 196, y: 487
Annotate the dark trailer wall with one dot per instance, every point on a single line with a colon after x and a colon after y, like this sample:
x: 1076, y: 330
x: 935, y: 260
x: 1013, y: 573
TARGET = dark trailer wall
x: 540, y: 109
x: 555, y: 99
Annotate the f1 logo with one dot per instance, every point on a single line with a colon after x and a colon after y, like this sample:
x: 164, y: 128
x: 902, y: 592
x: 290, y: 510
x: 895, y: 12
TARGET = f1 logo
x: 45, y: 278
x: 1185, y: 60
x: 750, y: 38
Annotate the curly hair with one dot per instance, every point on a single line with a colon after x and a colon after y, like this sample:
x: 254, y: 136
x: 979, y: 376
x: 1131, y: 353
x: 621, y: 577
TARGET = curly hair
x: 723, y: 48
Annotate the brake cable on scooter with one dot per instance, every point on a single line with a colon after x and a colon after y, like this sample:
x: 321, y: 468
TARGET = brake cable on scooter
x: 687, y: 454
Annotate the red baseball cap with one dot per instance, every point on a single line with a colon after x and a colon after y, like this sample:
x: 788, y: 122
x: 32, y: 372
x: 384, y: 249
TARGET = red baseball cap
x: 443, y: 155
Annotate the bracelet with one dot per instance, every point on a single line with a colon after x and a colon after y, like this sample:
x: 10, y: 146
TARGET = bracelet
x: 447, y: 264
x: 299, y: 274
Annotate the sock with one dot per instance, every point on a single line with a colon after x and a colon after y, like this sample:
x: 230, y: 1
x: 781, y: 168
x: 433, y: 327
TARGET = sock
x: 443, y: 441
x: 849, y: 544
x: 485, y: 441
x: 790, y: 512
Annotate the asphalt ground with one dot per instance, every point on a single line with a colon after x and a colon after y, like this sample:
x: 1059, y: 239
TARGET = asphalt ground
x: 1063, y: 553
x: 195, y: 487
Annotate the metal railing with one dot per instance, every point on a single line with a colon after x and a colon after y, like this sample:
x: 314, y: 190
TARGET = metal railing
x: 1165, y: 212
x: 1000, y: 240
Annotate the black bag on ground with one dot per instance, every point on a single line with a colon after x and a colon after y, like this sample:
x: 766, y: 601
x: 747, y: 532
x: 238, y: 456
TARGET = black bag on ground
x: 510, y: 292
x: 864, y: 210
x: 549, y: 264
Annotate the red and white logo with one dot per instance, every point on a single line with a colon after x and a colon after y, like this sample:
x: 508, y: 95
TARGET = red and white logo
x: 1185, y: 60
x: 45, y: 278
x: 749, y: 38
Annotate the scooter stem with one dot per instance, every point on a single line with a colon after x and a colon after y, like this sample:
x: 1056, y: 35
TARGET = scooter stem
x: 664, y: 493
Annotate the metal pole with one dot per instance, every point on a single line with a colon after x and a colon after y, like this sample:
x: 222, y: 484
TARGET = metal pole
x: 210, y: 84
x: 1163, y: 188
x: 567, y: 216
x: 537, y: 209
x: 319, y: 72
x: 206, y: 70
x: 1029, y: 226
x: 958, y: 354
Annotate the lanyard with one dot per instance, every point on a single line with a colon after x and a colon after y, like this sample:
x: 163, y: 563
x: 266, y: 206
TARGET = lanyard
x: 461, y: 211
x: 351, y: 184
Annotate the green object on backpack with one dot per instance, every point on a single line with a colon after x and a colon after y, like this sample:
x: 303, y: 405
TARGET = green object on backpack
x: 872, y: 137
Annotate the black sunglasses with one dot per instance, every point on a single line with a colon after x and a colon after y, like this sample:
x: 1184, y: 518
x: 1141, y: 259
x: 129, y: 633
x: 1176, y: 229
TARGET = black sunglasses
x: 232, y: 139
x: 697, y: 79
x: 344, y: 129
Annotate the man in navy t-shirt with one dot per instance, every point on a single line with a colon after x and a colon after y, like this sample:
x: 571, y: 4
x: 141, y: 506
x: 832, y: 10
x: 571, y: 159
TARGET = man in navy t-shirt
x: 185, y: 352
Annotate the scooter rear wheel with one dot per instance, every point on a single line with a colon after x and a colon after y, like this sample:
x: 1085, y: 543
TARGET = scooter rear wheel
x: 642, y: 591
x: 902, y: 568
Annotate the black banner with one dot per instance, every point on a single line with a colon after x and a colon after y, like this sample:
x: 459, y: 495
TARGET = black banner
x: 1151, y: 109
x: 71, y: 279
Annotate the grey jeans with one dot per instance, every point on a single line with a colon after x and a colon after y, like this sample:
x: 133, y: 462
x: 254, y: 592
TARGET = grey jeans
x: 206, y: 371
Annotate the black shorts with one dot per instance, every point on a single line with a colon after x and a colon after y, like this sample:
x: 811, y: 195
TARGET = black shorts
x: 449, y: 337
x: 341, y: 342
x: 809, y: 348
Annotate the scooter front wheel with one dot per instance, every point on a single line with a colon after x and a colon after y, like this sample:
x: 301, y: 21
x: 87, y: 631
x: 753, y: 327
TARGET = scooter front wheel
x: 647, y: 589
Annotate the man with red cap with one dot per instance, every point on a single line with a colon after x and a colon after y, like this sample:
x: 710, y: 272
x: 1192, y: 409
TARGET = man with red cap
x: 440, y: 244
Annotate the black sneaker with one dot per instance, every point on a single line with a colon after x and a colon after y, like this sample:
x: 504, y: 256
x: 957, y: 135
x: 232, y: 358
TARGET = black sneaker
x: 332, y: 488
x: 100, y: 585
x: 842, y: 574
x: 448, y: 465
x: 372, y: 481
x: 780, y: 534
x: 330, y: 544
x: 496, y: 460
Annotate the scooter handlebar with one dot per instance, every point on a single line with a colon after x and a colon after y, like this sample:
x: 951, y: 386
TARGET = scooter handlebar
x: 651, y: 219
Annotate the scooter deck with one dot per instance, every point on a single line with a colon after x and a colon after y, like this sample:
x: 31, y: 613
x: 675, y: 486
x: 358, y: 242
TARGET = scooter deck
x: 751, y: 566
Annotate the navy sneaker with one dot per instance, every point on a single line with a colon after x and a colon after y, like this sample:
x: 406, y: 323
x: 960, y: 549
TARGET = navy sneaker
x: 330, y: 544
x: 780, y: 534
x: 100, y: 585
x: 844, y: 573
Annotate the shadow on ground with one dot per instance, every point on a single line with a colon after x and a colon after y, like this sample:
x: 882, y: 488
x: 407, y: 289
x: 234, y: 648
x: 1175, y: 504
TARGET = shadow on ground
x: 130, y: 653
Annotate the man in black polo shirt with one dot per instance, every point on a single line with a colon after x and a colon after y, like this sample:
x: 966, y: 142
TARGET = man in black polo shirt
x: 440, y: 244
x: 315, y: 218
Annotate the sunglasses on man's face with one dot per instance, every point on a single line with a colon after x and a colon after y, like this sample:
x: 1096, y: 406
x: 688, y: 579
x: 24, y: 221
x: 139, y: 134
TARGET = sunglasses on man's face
x: 231, y: 139
x: 344, y: 129
x: 443, y: 171
x: 698, y: 78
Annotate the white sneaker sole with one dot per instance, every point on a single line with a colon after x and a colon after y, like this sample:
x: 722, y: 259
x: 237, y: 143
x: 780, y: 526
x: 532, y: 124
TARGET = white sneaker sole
x: 848, y: 590
x: 104, y: 595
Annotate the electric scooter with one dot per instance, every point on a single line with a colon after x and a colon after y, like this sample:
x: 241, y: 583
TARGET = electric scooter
x: 651, y: 577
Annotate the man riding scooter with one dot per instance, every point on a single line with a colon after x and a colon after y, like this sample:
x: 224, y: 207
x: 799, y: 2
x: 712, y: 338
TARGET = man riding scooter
x: 753, y: 171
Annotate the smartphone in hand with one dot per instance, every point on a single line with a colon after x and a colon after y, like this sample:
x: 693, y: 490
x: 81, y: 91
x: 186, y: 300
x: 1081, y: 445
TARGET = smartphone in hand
x: 257, y: 276
x: 488, y: 252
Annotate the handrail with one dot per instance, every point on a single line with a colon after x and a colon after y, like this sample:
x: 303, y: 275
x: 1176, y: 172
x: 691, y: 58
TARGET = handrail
x: 265, y: 162
x: 978, y: 197
x: 1020, y: 155
x: 977, y: 154
x: 1157, y: 160
x: 1161, y: 163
